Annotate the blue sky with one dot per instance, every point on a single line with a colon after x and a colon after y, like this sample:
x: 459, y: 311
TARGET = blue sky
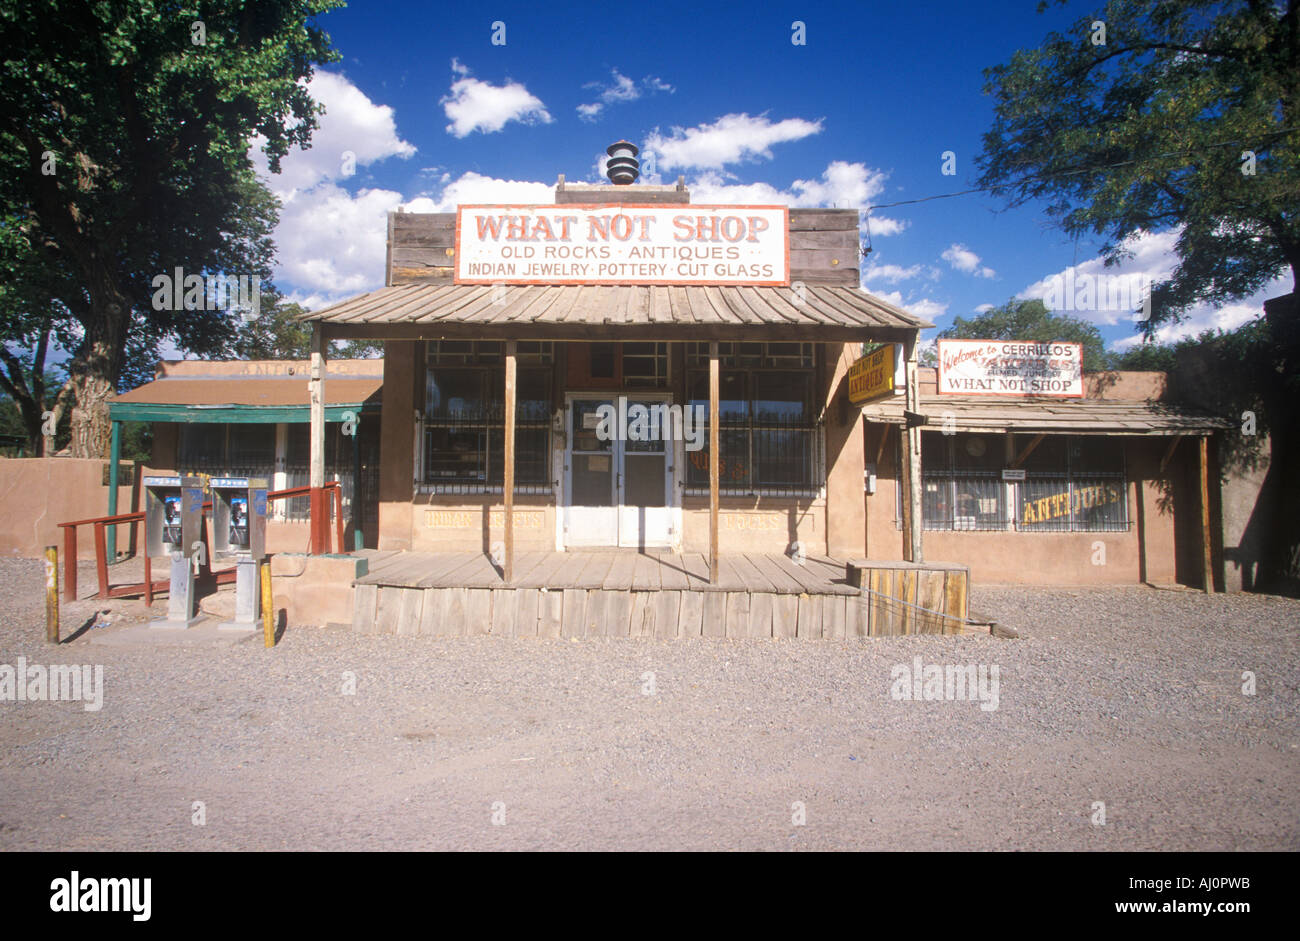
x: 431, y: 112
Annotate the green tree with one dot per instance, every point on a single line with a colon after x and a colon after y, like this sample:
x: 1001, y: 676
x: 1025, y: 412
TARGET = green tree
x: 1031, y: 320
x: 1171, y: 114
x: 1176, y: 115
x: 281, y: 333
x: 124, y: 134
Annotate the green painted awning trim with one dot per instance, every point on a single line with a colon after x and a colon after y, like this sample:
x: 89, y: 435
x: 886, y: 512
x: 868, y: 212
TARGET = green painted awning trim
x: 230, y: 414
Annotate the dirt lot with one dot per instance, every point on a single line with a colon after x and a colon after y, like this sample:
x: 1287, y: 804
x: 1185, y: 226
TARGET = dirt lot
x: 1130, y: 697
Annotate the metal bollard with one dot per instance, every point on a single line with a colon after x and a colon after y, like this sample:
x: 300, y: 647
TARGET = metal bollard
x: 268, y: 622
x: 52, y: 593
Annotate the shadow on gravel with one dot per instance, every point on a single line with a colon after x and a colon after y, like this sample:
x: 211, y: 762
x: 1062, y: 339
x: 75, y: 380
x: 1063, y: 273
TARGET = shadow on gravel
x: 85, y: 626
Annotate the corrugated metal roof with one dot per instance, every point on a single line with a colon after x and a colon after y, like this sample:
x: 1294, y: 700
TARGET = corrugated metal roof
x: 1064, y: 416
x: 675, y: 311
x: 251, y: 391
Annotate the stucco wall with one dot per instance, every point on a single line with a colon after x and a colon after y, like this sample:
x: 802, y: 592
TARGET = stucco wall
x: 38, y: 493
x: 1146, y: 552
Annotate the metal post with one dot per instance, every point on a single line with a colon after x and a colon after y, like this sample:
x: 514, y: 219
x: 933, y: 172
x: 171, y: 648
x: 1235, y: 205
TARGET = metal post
x: 268, y: 621
x: 114, y: 456
x: 1207, y: 558
x: 52, y: 593
x: 509, y: 488
x: 714, y: 461
x: 912, y: 521
x: 319, y: 508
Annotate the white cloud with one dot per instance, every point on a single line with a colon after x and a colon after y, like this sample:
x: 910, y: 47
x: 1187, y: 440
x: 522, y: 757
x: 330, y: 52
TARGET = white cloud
x: 732, y: 138
x: 1152, y: 259
x: 332, y: 243
x: 621, y: 89
x: 353, y: 130
x: 892, y: 274
x: 963, y: 259
x: 922, y: 307
x: 471, y: 187
x: 475, y: 105
x: 983, y: 308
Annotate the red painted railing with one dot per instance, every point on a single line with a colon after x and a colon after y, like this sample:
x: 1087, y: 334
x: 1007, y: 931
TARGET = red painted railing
x: 319, y: 530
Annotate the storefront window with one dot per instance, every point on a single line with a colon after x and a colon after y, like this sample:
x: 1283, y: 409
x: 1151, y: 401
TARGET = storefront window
x: 961, y: 481
x: 768, y: 431
x: 464, y: 419
x: 1074, y: 484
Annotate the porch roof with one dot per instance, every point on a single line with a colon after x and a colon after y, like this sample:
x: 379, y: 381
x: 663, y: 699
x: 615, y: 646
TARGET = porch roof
x: 660, y: 312
x: 1049, y: 416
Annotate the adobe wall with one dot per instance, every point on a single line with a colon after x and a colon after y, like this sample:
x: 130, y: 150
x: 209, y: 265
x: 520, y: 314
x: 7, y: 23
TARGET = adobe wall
x: 38, y: 493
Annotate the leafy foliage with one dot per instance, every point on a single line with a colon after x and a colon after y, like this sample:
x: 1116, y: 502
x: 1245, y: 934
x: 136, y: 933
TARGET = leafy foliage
x: 1150, y: 131
x: 1031, y: 320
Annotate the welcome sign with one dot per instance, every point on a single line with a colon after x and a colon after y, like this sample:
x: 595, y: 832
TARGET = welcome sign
x: 1010, y: 367
x: 622, y: 244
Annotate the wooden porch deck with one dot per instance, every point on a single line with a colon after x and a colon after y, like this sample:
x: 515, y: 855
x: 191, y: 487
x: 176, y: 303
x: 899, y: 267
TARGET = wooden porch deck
x: 610, y: 570
x: 630, y: 593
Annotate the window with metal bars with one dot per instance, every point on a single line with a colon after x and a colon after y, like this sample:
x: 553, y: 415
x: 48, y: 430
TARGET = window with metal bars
x: 768, y: 434
x: 1074, y: 484
x: 961, y: 482
x: 463, y: 431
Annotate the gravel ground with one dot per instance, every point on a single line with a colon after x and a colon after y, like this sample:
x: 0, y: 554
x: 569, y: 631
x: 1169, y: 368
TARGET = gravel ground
x: 1129, y: 696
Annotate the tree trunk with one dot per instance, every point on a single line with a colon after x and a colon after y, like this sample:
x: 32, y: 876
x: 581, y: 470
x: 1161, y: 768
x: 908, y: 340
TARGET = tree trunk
x: 93, y: 374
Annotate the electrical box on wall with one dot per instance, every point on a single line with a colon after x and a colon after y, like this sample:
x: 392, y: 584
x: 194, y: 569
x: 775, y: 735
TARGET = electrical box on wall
x: 869, y: 478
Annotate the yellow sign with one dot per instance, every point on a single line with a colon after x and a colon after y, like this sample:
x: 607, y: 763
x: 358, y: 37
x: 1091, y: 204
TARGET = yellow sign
x: 876, y: 375
x: 1057, y: 505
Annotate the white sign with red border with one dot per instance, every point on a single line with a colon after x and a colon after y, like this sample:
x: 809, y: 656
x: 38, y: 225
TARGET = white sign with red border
x: 1010, y: 367
x: 623, y: 244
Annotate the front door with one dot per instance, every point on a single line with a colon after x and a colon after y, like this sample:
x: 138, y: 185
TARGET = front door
x: 617, y: 492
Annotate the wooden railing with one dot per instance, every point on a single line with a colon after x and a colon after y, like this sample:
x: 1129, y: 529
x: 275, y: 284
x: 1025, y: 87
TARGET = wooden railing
x: 149, y: 586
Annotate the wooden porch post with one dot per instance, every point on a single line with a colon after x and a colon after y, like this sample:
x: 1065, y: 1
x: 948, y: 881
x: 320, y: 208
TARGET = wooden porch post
x: 1206, y: 557
x: 319, y: 507
x: 508, y: 565
x: 912, y: 521
x: 714, y: 459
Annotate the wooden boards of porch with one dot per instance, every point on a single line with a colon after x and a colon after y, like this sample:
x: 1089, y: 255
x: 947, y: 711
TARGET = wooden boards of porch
x: 909, y: 598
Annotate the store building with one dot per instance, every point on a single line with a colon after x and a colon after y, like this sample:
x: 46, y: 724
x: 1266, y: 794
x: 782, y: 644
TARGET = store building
x: 517, y: 337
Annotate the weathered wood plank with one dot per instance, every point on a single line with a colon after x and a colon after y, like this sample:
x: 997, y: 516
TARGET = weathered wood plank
x: 672, y: 576
x: 753, y: 579
x: 760, y: 614
x: 618, y: 613
x: 782, y: 582
x: 550, y: 616
x: 667, y: 604
x: 905, y: 582
x: 453, y: 624
x: 955, y: 591
x: 835, y: 616
x: 737, y: 615
x: 858, y: 617
x: 478, y: 611
x: 575, y: 612
x: 802, y: 220
x: 690, y: 617
x: 594, y: 623
x: 526, y: 604
x: 621, y: 573
x: 364, y: 602
x: 433, y: 613
x: 929, y: 595
x: 715, y: 614
x: 503, y: 612
x: 409, y: 611
x: 810, y: 617
x: 389, y: 610
x: 641, y: 623
x: 646, y: 573
x: 785, y: 616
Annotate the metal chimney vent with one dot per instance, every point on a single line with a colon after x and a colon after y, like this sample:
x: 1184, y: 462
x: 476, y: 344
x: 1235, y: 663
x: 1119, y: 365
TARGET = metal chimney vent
x: 623, y: 168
